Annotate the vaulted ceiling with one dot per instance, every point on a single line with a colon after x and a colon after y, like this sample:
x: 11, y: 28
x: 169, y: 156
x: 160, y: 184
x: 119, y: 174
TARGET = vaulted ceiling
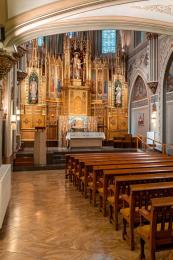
x: 33, y: 18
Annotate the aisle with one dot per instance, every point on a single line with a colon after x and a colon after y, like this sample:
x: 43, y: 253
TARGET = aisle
x: 48, y: 219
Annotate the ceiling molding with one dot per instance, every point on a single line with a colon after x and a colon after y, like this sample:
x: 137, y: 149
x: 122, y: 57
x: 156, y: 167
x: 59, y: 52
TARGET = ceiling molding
x: 87, y: 15
x: 97, y: 23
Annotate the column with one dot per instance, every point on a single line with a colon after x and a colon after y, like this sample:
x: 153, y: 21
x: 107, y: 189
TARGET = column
x: 153, y: 61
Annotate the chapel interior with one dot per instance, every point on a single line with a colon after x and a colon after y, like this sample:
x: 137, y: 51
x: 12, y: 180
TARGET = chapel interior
x: 86, y: 144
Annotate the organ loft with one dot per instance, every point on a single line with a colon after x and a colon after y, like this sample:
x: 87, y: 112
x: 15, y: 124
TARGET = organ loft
x: 72, y: 86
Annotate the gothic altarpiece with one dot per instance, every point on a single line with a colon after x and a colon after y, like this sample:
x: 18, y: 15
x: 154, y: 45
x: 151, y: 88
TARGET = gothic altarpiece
x: 73, y: 91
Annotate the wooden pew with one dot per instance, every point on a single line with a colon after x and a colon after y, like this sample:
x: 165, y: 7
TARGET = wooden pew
x: 89, y: 165
x: 71, y: 157
x: 159, y: 233
x: 80, y: 161
x: 108, y: 176
x: 122, y: 186
x: 99, y: 166
x: 140, y: 197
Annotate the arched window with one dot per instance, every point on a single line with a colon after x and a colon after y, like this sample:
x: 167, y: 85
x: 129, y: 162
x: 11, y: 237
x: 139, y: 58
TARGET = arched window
x: 40, y: 41
x: 71, y: 34
x: 108, y: 41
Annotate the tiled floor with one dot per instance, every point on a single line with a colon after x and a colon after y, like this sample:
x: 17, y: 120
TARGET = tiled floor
x: 48, y: 219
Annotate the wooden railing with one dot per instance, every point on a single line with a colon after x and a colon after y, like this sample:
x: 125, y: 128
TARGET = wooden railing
x: 150, y: 147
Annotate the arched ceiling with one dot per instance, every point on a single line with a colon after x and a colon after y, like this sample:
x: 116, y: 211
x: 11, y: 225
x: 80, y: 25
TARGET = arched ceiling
x: 33, y: 18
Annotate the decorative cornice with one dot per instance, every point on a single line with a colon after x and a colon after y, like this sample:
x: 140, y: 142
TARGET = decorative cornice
x: 152, y: 86
x: 7, y: 61
x: 20, y: 52
x: 151, y: 36
x: 21, y: 75
x: 140, y: 103
x: 163, y: 9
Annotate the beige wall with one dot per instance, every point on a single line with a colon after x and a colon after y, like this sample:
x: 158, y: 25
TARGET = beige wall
x: 16, y: 7
x: 2, y: 12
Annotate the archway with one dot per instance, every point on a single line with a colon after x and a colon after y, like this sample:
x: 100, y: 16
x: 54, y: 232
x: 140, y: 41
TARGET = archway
x: 48, y: 17
x: 168, y: 103
x: 139, y: 108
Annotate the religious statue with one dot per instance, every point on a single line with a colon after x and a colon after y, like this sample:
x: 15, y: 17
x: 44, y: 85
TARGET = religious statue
x: 59, y: 88
x: 76, y: 66
x: 118, y: 94
x: 33, y: 89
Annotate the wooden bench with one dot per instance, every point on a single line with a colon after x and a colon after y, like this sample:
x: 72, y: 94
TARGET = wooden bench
x: 79, y: 162
x: 140, y: 197
x: 159, y: 233
x: 88, y: 166
x: 70, y: 158
x: 122, y: 186
x: 108, y: 177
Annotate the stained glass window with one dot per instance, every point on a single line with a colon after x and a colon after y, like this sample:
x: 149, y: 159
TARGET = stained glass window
x: 71, y: 34
x: 108, y: 41
x: 40, y: 41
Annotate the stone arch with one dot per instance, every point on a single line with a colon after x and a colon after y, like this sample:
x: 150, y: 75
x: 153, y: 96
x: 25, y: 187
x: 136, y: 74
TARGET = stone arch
x: 137, y: 73
x: 139, y: 107
x: 167, y: 96
x: 165, y: 56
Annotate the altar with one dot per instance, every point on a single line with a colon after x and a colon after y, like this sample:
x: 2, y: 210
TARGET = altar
x: 85, y: 139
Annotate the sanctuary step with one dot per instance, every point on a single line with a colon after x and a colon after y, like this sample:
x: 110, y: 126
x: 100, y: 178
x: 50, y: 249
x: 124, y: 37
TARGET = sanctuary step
x: 24, y: 160
x: 56, y: 157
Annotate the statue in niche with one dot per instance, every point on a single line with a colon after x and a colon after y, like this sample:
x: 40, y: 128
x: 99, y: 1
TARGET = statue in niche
x: 33, y: 89
x: 99, y: 89
x: 76, y: 66
x: 118, y: 94
x: 59, y: 88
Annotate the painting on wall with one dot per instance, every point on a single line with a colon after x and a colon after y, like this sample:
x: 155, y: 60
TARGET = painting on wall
x: 169, y: 79
x: 33, y: 89
x: 118, y: 94
x: 139, y: 90
x: 140, y: 119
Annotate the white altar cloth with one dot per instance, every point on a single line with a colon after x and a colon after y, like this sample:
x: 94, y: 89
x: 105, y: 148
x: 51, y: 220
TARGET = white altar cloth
x: 85, y: 139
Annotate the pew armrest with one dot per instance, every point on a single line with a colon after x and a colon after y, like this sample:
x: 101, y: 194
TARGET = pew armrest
x: 145, y: 213
x: 126, y: 198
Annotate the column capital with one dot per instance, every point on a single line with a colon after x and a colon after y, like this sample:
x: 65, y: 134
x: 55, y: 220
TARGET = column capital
x: 151, y: 36
x: 152, y: 86
x: 7, y: 61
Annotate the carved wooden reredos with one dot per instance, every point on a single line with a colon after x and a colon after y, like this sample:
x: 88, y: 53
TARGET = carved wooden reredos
x: 74, y: 79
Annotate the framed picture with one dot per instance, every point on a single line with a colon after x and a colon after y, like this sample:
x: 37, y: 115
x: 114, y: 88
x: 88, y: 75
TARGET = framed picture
x: 140, y: 119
